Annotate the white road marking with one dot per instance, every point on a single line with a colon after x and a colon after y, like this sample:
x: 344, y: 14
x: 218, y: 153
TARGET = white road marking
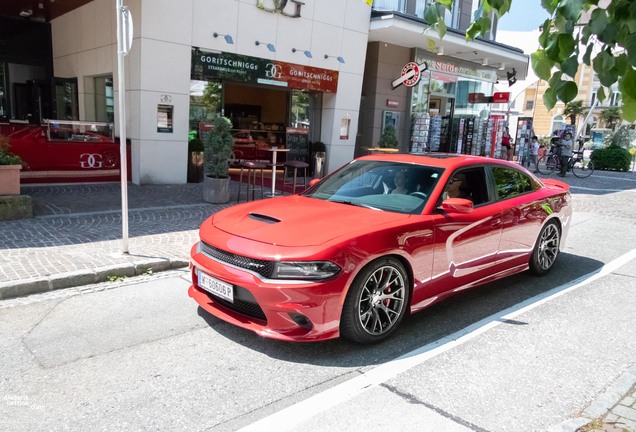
x: 294, y: 415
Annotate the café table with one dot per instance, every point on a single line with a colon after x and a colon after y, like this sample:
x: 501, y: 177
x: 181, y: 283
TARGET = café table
x: 275, y: 150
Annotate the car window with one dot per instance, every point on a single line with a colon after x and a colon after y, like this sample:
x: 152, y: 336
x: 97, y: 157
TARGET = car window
x: 473, y: 185
x: 381, y: 185
x: 511, y: 182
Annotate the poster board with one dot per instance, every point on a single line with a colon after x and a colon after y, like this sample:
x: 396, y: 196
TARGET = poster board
x: 297, y: 141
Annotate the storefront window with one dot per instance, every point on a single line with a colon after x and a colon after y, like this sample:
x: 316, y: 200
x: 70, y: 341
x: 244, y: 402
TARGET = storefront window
x: 104, y: 99
x: 300, y: 109
x: 205, y: 101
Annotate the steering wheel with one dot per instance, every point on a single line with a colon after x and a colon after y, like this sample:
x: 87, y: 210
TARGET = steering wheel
x: 419, y: 194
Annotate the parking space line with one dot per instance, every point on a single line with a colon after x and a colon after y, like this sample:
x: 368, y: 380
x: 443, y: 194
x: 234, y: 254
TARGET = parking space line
x: 295, y: 414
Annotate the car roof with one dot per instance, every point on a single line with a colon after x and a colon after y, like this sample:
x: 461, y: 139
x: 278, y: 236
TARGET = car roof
x: 441, y: 160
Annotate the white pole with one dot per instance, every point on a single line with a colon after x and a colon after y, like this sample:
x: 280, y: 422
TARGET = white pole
x: 121, y: 49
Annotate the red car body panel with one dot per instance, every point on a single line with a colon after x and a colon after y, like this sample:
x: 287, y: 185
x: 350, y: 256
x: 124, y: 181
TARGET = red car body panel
x: 81, y: 157
x: 443, y: 253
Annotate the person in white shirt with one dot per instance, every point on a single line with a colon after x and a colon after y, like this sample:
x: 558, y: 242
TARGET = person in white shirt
x: 566, y: 153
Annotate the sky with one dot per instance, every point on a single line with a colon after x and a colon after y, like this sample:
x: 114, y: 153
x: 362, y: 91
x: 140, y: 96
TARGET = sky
x: 524, y: 15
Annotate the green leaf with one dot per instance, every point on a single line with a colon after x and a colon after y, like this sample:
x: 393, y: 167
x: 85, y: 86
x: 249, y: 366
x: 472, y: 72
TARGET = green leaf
x: 441, y: 27
x: 627, y: 84
x: 566, y: 46
x: 549, y: 5
x: 603, y: 65
x: 609, y: 34
x: 541, y: 64
x: 598, y: 21
x: 473, y: 31
x: 485, y: 24
x: 431, y: 14
x: 588, y: 53
x: 570, y: 66
x: 543, y: 37
x: 568, y: 91
x: 446, y: 3
x: 629, y: 109
x: 600, y: 93
x: 630, y: 46
x: 570, y: 9
x: 549, y: 99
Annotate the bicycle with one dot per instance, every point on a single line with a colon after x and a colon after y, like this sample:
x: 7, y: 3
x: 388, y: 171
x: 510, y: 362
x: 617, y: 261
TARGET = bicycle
x: 551, y: 161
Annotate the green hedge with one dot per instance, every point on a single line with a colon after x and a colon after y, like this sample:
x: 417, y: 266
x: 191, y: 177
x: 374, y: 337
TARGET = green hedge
x: 612, y: 158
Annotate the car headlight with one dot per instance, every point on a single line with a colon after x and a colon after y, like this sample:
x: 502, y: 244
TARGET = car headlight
x: 314, y: 270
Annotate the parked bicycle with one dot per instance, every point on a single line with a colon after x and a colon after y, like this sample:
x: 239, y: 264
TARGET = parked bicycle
x: 551, y: 162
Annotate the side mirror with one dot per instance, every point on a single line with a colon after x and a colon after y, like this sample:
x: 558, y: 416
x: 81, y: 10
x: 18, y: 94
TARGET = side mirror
x: 457, y: 205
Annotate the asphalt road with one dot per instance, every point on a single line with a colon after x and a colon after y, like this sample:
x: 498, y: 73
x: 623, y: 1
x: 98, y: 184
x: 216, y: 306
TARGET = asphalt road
x: 522, y: 354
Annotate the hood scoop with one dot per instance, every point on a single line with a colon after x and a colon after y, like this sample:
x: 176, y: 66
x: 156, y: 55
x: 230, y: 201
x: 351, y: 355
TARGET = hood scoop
x: 264, y: 218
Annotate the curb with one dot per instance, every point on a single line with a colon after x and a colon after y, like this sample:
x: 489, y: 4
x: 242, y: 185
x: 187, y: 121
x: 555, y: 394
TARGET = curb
x: 24, y: 287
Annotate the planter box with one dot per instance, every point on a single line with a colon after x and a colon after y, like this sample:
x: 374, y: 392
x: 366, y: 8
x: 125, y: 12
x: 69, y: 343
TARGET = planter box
x: 216, y: 191
x: 10, y: 179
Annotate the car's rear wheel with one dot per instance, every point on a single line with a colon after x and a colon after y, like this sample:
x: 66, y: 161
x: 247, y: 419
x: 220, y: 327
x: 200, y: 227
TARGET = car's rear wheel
x: 546, y: 249
x: 376, y: 302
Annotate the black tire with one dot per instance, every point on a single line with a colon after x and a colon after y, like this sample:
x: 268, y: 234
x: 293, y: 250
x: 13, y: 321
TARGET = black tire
x: 546, y: 165
x: 582, y: 169
x: 546, y: 249
x: 376, y: 302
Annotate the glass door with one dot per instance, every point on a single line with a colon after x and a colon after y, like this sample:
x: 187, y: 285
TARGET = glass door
x: 65, y: 99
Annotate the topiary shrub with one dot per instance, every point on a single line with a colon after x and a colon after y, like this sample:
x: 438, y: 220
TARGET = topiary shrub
x: 388, y: 139
x: 612, y: 158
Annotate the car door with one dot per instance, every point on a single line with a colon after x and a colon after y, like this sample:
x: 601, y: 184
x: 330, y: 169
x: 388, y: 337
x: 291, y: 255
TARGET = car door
x: 522, y: 214
x: 466, y: 244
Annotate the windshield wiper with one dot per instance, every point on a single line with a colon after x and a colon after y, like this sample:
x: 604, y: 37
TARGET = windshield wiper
x: 357, y: 204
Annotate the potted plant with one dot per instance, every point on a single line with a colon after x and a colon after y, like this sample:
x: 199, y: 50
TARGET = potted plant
x: 10, y: 166
x: 195, y: 160
x: 218, y: 150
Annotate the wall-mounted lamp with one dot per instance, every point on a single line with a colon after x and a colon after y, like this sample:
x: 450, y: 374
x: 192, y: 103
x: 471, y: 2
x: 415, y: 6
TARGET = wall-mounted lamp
x: 306, y: 52
x: 440, y: 51
x: 26, y: 13
x: 502, y: 66
x: 227, y: 37
x: 340, y: 59
x: 270, y: 46
x: 484, y: 62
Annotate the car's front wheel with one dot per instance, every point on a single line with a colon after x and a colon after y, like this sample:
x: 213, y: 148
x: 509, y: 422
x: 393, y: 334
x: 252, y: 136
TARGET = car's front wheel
x: 546, y: 249
x: 376, y: 302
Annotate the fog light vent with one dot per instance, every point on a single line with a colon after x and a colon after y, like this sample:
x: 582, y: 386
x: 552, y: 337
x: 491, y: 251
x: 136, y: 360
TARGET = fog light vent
x: 301, y: 320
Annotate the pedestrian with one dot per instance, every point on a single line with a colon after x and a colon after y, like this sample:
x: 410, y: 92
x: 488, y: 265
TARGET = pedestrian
x: 505, y: 144
x: 566, y: 152
x: 533, y: 152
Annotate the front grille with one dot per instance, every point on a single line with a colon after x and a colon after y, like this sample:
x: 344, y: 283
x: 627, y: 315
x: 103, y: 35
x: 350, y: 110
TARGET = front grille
x: 262, y: 267
x: 244, y: 303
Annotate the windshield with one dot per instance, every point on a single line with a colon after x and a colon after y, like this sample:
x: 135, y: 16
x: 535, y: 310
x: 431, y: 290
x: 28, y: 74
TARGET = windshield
x: 380, y: 185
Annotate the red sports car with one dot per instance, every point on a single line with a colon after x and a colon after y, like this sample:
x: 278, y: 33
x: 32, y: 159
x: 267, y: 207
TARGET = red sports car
x: 381, y: 237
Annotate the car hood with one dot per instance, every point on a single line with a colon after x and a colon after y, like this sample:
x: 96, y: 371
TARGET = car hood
x: 299, y: 221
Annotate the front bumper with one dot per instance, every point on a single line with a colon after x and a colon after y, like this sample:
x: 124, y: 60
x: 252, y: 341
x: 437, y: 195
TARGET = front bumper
x: 284, y: 310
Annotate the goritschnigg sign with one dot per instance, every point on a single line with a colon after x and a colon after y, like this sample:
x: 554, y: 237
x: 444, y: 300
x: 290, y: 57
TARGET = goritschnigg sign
x: 262, y: 71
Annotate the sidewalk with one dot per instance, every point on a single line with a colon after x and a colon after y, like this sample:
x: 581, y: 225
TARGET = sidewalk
x: 75, y: 236
x: 74, y: 239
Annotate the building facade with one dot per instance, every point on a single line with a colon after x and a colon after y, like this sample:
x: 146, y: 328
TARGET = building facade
x: 335, y: 71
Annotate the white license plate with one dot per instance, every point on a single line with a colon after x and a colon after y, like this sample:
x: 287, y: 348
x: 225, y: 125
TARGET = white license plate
x: 216, y: 287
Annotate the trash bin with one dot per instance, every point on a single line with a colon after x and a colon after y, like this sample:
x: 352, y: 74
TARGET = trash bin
x: 319, y: 164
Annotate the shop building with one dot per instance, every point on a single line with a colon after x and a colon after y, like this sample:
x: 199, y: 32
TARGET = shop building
x: 267, y: 65
x: 335, y: 71
x: 438, y: 93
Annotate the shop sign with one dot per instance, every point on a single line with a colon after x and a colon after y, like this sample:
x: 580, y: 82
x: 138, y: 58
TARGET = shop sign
x: 500, y: 97
x: 235, y: 67
x: 410, y: 74
x: 456, y: 69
